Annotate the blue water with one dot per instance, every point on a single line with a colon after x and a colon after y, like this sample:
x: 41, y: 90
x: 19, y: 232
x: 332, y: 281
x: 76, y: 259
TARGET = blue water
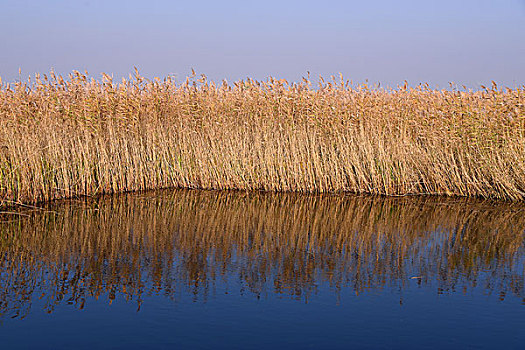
x: 212, y: 287
x: 374, y: 320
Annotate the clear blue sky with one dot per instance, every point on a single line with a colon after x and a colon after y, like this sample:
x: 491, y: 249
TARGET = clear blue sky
x: 466, y: 41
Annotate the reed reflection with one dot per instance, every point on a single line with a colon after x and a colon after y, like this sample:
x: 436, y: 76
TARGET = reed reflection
x: 175, y: 242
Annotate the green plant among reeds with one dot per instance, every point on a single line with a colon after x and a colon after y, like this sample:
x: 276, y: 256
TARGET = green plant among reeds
x: 61, y: 138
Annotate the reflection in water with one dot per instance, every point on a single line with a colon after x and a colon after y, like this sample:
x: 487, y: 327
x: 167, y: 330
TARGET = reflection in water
x: 173, y: 242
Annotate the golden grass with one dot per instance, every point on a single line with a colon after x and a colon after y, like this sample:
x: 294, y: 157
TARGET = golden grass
x: 61, y: 138
x: 183, y: 242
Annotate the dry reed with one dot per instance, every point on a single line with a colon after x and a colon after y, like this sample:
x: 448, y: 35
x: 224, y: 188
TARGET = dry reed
x: 62, y: 138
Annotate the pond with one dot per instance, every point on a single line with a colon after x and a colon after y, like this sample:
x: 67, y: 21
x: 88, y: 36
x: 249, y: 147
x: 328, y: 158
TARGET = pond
x: 209, y: 269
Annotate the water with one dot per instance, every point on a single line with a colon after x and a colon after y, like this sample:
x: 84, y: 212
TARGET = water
x: 205, y: 269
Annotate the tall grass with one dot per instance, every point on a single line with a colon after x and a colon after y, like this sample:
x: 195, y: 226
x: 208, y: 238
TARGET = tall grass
x: 61, y: 138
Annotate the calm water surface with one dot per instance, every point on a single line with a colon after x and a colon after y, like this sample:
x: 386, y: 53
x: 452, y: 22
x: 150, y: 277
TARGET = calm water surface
x: 205, y: 269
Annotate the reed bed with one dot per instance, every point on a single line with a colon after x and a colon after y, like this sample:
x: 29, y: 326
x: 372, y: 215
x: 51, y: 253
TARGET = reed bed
x: 80, y: 137
x: 194, y: 243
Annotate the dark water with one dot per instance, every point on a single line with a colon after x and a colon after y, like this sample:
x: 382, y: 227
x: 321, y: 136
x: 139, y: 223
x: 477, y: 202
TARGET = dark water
x: 193, y: 269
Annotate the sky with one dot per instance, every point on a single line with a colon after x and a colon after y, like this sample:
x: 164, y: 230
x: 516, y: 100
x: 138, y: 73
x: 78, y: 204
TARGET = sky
x: 469, y: 42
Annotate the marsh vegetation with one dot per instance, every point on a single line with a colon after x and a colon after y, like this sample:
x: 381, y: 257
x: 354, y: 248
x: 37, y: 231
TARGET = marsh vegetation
x: 78, y: 136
